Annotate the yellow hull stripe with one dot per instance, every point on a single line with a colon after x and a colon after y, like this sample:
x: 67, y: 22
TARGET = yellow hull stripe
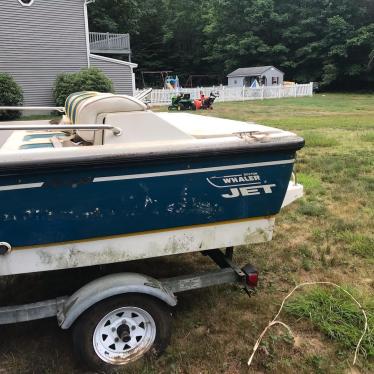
x: 144, y: 233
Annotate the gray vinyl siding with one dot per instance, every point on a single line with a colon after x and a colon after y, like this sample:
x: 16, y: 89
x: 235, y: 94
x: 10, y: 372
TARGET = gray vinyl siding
x: 41, y: 41
x: 239, y: 81
x: 269, y: 74
x: 236, y: 81
x: 120, y: 74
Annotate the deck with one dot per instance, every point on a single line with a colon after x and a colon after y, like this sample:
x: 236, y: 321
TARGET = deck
x: 108, y: 43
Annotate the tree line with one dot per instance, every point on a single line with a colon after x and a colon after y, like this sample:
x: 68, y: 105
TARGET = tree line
x: 326, y: 41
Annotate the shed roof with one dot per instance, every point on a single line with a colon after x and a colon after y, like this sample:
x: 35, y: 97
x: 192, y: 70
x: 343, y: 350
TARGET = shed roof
x: 252, y: 71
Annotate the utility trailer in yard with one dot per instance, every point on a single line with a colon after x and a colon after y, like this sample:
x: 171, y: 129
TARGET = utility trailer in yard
x: 119, y: 318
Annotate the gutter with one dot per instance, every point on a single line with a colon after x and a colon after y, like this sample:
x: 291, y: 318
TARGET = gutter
x: 113, y: 60
x: 87, y: 31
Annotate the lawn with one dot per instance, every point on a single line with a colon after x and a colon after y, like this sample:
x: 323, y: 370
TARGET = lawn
x: 326, y: 236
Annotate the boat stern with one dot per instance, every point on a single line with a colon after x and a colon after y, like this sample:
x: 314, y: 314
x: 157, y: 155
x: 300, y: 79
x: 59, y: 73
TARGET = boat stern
x: 294, y: 191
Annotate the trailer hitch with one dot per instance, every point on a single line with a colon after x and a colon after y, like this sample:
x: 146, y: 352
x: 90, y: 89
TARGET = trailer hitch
x: 248, y: 275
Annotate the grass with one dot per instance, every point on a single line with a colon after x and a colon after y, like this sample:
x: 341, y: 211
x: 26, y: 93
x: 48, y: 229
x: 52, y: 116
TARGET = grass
x: 327, y: 235
x: 318, y: 139
x: 337, y: 316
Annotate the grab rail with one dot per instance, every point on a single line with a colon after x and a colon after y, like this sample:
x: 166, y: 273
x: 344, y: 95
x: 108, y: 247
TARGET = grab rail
x: 116, y: 131
x: 41, y: 108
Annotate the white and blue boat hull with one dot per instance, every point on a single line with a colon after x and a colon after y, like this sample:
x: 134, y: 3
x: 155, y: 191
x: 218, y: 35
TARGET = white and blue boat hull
x: 87, y: 213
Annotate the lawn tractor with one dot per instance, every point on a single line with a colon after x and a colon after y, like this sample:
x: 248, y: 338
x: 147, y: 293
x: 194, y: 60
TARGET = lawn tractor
x: 205, y: 102
x: 182, y: 102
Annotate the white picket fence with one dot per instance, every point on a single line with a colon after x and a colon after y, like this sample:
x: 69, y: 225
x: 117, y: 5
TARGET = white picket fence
x: 226, y: 93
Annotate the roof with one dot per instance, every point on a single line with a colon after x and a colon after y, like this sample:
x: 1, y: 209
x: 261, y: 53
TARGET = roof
x: 113, y: 60
x: 252, y: 71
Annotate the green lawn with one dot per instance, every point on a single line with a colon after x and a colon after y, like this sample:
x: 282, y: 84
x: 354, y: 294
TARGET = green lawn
x: 328, y: 235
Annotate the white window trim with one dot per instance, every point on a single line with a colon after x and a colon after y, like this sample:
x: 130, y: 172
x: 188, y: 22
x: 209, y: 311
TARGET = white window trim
x: 28, y: 4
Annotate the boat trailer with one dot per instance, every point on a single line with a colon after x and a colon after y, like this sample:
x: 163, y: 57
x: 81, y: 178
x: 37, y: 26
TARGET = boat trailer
x: 134, y: 306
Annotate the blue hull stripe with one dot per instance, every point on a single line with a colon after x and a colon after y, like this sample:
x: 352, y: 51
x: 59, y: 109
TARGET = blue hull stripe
x: 190, y: 171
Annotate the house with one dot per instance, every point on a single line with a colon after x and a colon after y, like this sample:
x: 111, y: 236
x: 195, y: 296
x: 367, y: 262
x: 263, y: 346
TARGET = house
x: 40, y: 39
x: 264, y: 75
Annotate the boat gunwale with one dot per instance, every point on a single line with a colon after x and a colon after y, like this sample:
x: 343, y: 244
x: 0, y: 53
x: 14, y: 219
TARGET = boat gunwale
x: 120, y: 156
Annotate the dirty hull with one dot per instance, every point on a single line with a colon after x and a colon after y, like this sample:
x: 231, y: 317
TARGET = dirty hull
x: 92, y: 203
x: 134, y: 247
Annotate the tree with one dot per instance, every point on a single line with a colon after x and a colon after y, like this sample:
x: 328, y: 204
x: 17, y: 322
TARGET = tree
x: 331, y: 41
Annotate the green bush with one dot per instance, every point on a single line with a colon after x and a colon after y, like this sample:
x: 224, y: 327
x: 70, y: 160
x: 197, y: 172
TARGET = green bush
x: 10, y: 95
x: 88, y: 79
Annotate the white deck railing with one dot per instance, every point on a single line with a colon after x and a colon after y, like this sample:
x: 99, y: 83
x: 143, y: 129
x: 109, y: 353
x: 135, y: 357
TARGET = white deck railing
x: 105, y: 41
x: 226, y: 93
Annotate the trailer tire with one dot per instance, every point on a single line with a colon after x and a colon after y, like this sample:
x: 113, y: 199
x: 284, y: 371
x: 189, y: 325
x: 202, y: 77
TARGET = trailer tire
x: 121, y: 330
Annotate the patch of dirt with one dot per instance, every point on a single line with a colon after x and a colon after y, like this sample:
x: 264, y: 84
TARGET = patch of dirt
x: 308, y: 343
x: 353, y: 370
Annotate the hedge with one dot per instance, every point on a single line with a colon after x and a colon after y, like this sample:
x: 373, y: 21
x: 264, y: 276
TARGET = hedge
x: 88, y: 79
x: 10, y: 95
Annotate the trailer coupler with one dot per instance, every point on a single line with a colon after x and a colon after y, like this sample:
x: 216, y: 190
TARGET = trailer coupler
x: 248, y: 275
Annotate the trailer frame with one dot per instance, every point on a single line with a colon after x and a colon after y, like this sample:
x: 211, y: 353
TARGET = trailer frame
x: 164, y: 289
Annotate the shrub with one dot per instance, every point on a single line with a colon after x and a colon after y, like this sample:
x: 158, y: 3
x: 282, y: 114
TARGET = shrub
x: 10, y: 95
x: 88, y: 79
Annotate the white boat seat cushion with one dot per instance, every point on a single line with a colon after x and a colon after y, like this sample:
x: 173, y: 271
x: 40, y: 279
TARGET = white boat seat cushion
x: 86, y: 107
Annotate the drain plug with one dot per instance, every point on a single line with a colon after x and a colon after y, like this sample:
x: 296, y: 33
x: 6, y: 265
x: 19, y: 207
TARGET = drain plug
x: 5, y: 248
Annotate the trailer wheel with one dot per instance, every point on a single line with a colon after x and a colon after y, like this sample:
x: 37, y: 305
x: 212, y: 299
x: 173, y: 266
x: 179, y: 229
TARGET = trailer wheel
x: 121, y: 330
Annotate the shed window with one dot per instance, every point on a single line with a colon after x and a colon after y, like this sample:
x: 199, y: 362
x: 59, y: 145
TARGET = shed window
x: 26, y: 2
x: 275, y: 80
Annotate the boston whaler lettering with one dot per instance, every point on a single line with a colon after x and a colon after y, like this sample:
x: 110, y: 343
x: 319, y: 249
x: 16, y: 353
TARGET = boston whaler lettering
x: 244, y: 185
x: 117, y: 182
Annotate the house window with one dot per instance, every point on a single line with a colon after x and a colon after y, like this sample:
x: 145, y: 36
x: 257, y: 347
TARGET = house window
x: 235, y: 81
x: 275, y: 80
x: 26, y: 2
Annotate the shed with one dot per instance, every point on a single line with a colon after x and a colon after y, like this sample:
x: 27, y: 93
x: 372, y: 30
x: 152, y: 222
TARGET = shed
x: 264, y: 75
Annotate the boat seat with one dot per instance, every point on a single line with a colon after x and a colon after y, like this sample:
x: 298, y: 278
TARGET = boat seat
x: 86, y: 107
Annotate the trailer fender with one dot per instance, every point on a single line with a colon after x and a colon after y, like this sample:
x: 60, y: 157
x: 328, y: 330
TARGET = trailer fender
x: 108, y: 286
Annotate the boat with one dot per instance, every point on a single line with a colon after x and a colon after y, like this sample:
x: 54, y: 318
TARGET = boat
x: 115, y: 182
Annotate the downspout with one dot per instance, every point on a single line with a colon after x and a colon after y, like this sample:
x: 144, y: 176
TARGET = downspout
x: 86, y: 2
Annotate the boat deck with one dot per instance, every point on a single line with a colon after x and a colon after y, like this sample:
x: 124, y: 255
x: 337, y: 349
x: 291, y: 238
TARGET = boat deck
x: 138, y: 128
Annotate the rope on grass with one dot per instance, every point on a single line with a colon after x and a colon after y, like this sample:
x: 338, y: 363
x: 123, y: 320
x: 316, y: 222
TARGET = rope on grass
x: 276, y: 322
